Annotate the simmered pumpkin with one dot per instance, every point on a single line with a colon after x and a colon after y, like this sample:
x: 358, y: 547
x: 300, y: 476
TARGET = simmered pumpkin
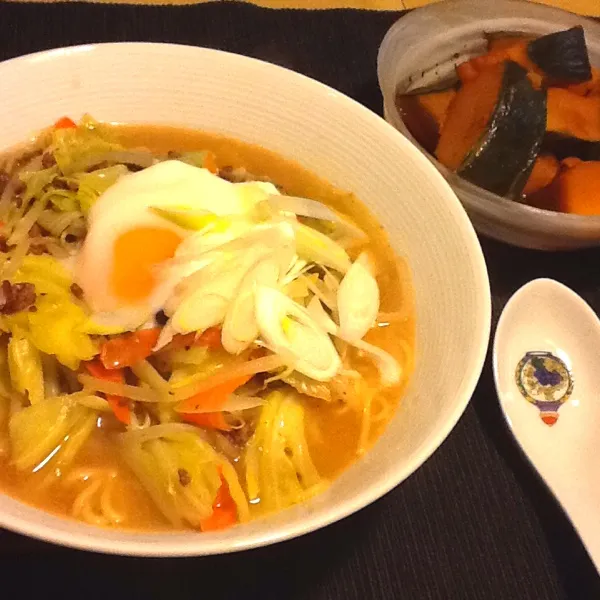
x: 545, y: 169
x: 587, y: 88
x: 494, y: 129
x: 562, y: 56
x: 500, y: 50
x: 468, y: 117
x: 569, y: 162
x: 502, y: 43
x: 526, y: 113
x: 424, y: 115
x: 565, y: 146
x: 579, y: 189
x: 572, y: 115
x: 573, y: 126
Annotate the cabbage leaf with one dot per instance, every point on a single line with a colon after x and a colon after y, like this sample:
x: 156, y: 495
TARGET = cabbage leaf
x: 56, y: 327
x: 91, y: 185
x: 55, y: 428
x: 181, y: 472
x: 36, y: 181
x: 75, y: 148
x: 25, y: 367
x: 279, y: 470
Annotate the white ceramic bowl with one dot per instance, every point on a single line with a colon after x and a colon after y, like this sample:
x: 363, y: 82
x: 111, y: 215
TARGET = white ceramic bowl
x: 425, y: 46
x: 341, y: 141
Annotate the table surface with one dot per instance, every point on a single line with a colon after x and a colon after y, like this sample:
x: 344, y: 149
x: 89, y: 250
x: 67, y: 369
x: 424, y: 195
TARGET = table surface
x: 474, y: 522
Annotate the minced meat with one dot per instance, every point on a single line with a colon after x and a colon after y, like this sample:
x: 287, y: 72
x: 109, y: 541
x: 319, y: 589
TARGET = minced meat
x: 15, y: 297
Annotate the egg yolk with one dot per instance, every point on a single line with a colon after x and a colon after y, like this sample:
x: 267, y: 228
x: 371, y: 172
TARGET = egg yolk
x: 135, y: 254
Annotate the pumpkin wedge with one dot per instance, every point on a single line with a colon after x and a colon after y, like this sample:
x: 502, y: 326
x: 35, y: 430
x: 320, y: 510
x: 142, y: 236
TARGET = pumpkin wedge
x: 500, y: 50
x: 494, y: 129
x: 587, y: 88
x: 562, y: 56
x: 424, y: 115
x: 573, y: 115
x: 545, y: 169
x: 579, y: 189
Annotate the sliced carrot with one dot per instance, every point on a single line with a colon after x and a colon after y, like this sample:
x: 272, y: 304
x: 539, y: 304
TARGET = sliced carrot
x: 211, y: 338
x: 65, y: 123
x: 120, y: 408
x: 224, y: 513
x: 545, y: 169
x: 210, y: 420
x: 98, y: 370
x: 128, y: 349
x: 214, y: 398
x: 118, y: 404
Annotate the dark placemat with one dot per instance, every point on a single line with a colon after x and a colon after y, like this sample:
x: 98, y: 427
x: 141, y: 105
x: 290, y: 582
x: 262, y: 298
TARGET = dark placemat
x: 473, y: 522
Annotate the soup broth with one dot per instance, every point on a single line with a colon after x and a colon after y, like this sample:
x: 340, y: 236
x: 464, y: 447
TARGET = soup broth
x: 98, y: 485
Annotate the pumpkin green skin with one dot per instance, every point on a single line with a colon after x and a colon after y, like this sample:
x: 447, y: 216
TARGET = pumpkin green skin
x: 562, y: 56
x: 564, y: 146
x: 502, y: 160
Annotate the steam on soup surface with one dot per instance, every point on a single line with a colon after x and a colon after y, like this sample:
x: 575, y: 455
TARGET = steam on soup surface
x: 187, y: 341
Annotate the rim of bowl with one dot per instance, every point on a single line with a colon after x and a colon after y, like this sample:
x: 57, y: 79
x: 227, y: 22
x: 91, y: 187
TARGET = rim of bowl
x: 480, y: 198
x: 91, y: 538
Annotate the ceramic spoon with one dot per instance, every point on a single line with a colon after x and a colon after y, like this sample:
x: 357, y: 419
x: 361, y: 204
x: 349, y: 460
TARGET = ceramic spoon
x: 547, y: 373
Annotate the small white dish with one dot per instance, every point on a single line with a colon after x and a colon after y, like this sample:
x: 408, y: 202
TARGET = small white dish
x: 425, y: 46
x: 547, y: 373
x: 347, y: 145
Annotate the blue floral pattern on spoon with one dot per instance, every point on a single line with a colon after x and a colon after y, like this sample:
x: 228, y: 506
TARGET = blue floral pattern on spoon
x: 545, y: 381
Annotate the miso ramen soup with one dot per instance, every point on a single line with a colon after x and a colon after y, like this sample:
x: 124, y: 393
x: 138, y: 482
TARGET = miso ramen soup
x: 195, y: 331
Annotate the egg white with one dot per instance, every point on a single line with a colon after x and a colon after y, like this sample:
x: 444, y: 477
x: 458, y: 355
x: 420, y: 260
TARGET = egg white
x: 128, y: 205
